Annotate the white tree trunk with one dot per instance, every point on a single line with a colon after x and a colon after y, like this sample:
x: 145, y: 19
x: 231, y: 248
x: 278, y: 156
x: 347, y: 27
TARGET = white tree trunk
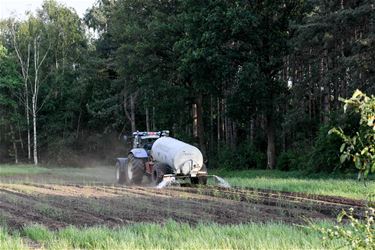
x: 35, y: 91
x: 28, y: 124
x: 35, y: 144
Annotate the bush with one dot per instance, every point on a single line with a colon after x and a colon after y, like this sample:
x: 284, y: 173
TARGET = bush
x: 325, y: 154
x: 285, y: 160
x: 359, y: 148
x: 292, y: 160
x: 246, y: 156
x: 359, y: 234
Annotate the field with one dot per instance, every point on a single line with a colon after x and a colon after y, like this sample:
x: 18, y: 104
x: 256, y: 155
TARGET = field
x: 83, y: 208
x: 320, y: 184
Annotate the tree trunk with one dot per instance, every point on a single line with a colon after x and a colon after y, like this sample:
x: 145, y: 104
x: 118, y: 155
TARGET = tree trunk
x: 20, y: 136
x: 147, y: 120
x: 200, y: 128
x: 234, y: 135
x: 252, y: 130
x: 227, y: 130
x: 218, y: 122
x: 153, y: 119
x: 27, y: 108
x: 130, y: 116
x: 14, y: 144
x: 212, y: 129
x: 35, y: 146
x: 195, y: 120
x: 79, y: 123
x: 271, y: 149
x: 132, y: 113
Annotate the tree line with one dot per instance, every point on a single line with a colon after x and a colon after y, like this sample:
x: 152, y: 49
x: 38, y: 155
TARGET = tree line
x: 255, y: 84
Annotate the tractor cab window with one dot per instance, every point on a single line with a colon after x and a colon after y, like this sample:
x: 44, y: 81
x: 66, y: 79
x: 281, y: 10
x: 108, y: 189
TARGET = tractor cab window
x: 147, y: 143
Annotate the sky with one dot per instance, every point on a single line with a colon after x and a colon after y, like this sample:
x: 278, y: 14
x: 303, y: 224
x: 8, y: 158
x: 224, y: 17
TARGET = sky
x: 9, y: 8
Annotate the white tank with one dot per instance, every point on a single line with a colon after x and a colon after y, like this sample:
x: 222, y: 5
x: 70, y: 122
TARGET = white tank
x: 179, y: 155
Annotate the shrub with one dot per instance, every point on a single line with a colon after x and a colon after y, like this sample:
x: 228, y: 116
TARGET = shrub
x: 358, y: 234
x: 246, y: 156
x: 286, y: 160
x: 292, y: 160
x: 359, y: 148
x: 324, y: 155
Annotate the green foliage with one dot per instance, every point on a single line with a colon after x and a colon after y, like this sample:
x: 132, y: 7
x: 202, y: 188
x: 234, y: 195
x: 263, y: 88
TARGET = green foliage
x: 10, y: 83
x: 237, y: 56
x: 356, y: 234
x: 246, y: 156
x: 324, y: 153
x: 360, y: 148
x: 286, y: 160
x: 293, y: 160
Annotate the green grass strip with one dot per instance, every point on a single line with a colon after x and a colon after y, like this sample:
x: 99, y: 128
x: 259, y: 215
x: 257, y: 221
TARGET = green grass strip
x: 297, y: 182
x: 173, y: 235
x: 11, y: 170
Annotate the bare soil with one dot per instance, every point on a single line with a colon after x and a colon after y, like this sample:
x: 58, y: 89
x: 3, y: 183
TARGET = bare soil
x: 34, y: 199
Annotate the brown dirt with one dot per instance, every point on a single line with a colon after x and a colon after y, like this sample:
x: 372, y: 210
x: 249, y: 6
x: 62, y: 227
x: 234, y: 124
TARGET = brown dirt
x: 60, y: 205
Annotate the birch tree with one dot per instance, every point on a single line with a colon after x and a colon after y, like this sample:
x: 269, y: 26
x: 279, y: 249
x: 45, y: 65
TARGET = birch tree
x: 32, y: 45
x: 40, y: 55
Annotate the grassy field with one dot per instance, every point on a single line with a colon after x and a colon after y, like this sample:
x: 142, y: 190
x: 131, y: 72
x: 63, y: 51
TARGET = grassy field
x: 25, y: 173
x: 171, y: 235
x: 346, y: 186
x: 90, y: 195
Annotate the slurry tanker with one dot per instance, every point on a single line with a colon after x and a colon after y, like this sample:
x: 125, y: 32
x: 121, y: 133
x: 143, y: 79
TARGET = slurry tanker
x: 159, y: 157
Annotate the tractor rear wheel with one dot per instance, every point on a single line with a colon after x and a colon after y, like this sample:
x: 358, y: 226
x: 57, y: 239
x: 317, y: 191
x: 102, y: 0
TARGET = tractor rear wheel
x: 134, y: 170
x: 200, y: 180
x: 120, y: 173
x: 159, y: 171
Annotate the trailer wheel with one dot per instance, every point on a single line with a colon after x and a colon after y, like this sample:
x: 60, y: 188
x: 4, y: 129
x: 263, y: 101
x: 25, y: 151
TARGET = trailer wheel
x: 134, y: 170
x: 159, y: 171
x: 120, y: 173
x: 200, y: 180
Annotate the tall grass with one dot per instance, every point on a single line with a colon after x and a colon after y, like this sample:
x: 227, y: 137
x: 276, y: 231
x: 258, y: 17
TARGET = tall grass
x: 174, y: 235
x: 10, y: 242
x: 297, y: 182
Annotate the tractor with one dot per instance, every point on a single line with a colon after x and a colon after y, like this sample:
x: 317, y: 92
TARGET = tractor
x: 155, y: 156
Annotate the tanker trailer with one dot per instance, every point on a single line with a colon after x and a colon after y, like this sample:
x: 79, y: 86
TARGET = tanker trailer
x: 157, y: 156
x: 174, y: 158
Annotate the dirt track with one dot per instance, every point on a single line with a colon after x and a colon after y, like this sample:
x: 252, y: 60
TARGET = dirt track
x: 59, y: 205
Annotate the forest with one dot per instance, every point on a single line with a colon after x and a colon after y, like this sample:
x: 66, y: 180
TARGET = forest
x: 254, y: 84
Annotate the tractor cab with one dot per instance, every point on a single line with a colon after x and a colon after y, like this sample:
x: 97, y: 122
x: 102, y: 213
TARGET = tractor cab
x: 145, y: 140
